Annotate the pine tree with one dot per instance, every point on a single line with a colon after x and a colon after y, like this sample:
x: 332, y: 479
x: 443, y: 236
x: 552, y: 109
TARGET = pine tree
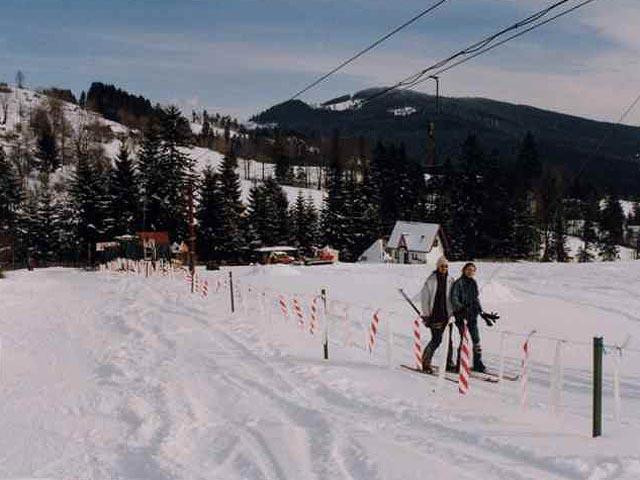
x: 268, y: 214
x: 48, y: 152
x: 87, y: 192
x: 590, y: 213
x: 151, y: 180
x: 210, y: 217
x: 611, y: 228
x: 283, y: 170
x: 27, y: 231
x: 45, y: 228
x: 232, y: 239
x: 178, y: 171
x: 559, y: 235
x: 303, y: 221
x: 10, y: 195
x: 467, y: 211
x: 529, y: 161
x: 549, y: 202
x: 123, y: 194
x: 334, y: 218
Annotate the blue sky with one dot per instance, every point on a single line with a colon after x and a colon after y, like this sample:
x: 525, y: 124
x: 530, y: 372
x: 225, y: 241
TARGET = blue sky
x: 241, y: 56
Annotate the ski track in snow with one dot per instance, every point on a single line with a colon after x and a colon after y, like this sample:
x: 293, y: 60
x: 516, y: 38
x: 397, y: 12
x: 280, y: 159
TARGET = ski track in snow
x: 111, y: 376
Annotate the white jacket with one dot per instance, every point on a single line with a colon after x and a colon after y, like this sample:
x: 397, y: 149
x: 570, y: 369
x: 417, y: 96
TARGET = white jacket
x: 427, y: 295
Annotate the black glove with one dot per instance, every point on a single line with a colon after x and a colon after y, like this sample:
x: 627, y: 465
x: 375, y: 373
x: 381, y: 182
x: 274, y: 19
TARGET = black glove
x: 490, y: 318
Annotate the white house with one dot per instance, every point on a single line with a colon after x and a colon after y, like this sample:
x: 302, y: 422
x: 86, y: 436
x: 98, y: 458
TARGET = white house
x: 410, y: 242
x: 415, y: 242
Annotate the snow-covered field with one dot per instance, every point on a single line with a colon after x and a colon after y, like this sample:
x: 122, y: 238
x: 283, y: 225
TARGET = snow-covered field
x: 107, y: 375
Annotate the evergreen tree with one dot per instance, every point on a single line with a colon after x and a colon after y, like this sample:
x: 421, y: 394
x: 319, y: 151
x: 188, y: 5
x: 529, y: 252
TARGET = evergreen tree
x: 151, y: 180
x: 268, y: 214
x: 334, y: 218
x: 529, y: 162
x: 45, y: 229
x: 48, y: 152
x: 283, y: 170
x: 10, y: 195
x: 87, y: 192
x: 210, y: 217
x: 123, y: 194
x: 304, y: 219
x: 231, y: 236
x: 558, y: 241
x: 178, y: 171
x: 549, y: 203
x: 467, y: 204
x: 611, y: 228
x: 590, y: 213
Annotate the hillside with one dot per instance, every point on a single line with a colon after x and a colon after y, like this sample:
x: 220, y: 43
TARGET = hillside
x: 403, y: 116
x: 70, y: 122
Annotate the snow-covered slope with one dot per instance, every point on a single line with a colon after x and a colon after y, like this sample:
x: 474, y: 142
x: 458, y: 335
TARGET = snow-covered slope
x: 23, y: 102
x: 115, y: 376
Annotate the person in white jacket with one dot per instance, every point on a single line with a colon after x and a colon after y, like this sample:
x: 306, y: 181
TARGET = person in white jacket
x: 435, y: 300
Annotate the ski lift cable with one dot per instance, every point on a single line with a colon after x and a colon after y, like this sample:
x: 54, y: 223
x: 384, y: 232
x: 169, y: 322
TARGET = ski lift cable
x: 482, y: 46
x: 508, y: 39
x: 607, y: 136
x: 368, y: 49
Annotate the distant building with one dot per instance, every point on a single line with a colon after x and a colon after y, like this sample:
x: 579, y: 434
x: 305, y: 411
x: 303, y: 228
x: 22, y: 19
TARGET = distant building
x: 410, y: 242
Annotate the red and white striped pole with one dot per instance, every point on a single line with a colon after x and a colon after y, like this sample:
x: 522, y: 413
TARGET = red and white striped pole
x: 205, y: 289
x: 417, y: 343
x: 313, y: 309
x: 373, y: 329
x: 283, y: 307
x: 524, y: 400
x: 297, y: 309
x: 465, y: 362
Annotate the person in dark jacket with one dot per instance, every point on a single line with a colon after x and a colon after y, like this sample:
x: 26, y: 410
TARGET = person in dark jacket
x: 466, y: 308
x: 435, y: 299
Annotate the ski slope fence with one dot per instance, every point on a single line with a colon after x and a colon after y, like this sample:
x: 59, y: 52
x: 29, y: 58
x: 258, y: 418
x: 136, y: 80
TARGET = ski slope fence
x: 388, y: 338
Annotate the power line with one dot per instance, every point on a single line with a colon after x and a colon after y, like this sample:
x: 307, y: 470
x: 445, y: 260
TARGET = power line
x: 512, y: 37
x: 481, y: 46
x: 367, y: 49
x: 608, y: 135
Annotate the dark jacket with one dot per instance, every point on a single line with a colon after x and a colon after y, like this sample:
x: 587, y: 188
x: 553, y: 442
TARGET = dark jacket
x: 465, y: 299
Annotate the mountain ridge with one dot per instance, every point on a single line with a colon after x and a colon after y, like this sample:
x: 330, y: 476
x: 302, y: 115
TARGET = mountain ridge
x: 566, y: 141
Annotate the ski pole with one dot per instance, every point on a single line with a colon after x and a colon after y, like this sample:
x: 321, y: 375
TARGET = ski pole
x: 413, y: 305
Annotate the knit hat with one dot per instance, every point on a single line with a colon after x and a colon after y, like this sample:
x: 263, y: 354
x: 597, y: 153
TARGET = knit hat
x: 442, y: 261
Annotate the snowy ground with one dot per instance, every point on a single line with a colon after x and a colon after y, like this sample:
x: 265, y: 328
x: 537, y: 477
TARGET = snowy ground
x: 105, y: 375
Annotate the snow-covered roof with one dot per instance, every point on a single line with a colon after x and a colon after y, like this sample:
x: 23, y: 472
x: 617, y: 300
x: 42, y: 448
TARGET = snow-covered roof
x: 417, y: 237
x: 375, y: 253
x: 276, y: 249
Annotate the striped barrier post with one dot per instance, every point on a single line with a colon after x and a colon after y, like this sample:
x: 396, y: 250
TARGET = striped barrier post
x: 524, y: 401
x: 373, y: 330
x: 205, y: 289
x: 297, y: 309
x: 283, y: 307
x: 417, y: 343
x: 313, y: 308
x: 465, y: 362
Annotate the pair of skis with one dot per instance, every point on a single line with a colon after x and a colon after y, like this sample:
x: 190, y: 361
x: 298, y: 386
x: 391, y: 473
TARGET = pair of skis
x: 490, y: 377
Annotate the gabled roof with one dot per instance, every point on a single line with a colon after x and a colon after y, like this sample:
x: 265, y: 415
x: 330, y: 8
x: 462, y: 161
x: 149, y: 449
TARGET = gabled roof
x: 418, y: 237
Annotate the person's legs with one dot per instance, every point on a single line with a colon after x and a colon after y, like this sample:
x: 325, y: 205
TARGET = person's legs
x: 429, y: 350
x: 477, y: 348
